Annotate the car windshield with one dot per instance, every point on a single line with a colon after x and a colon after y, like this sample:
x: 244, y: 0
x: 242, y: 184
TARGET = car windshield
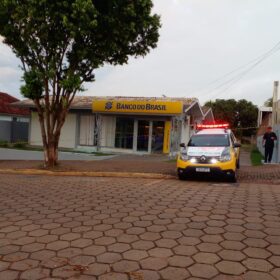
x: 206, y: 140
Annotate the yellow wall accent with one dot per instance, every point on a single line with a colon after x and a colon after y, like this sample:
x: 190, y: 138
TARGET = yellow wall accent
x: 153, y: 107
x: 167, y: 135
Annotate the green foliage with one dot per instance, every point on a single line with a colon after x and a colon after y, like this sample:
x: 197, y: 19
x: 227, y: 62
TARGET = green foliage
x: 20, y: 145
x: 268, y: 102
x: 64, y: 41
x: 61, y: 43
x: 240, y: 114
x: 4, y: 144
x: 33, y: 87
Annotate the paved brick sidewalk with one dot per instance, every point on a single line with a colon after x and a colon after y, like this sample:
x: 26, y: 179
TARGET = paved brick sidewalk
x: 97, y: 228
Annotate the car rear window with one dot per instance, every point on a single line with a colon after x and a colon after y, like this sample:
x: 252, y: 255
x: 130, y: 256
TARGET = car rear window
x: 205, y: 140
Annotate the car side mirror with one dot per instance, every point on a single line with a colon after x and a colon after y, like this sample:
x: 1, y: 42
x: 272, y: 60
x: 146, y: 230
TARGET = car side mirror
x: 237, y: 145
x: 183, y: 145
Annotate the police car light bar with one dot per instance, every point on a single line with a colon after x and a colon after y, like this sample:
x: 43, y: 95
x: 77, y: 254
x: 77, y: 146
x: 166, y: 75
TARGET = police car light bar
x: 205, y: 126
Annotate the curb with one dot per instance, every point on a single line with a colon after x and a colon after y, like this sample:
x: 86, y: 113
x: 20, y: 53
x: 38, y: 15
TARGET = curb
x: 86, y: 174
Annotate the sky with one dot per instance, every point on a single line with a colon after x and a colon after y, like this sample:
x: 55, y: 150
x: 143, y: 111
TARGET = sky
x: 200, y: 42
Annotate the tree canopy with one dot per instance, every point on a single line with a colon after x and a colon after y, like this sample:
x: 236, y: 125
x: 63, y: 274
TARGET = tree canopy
x: 268, y: 102
x: 239, y: 114
x: 61, y: 43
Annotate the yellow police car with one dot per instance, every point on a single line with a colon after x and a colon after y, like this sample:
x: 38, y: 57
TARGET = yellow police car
x: 213, y: 150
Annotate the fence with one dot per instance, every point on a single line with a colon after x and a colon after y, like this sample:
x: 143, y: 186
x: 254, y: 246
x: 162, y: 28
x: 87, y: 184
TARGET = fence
x: 14, y: 131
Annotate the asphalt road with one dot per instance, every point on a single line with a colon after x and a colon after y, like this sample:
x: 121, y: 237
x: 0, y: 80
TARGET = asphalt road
x: 13, y: 154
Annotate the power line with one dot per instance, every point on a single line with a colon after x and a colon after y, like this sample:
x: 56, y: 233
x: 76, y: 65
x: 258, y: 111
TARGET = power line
x: 256, y: 60
x: 240, y: 76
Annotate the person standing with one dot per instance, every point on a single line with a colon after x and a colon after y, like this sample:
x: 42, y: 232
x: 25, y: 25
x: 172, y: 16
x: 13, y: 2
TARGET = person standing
x: 268, y: 142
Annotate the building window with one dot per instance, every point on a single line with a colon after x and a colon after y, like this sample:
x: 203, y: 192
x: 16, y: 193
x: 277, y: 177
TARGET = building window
x: 124, y: 133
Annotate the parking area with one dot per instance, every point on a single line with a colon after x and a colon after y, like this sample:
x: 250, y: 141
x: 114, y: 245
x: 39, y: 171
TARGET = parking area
x: 102, y: 228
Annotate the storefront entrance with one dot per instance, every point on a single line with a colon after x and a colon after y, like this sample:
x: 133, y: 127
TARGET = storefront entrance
x: 143, y: 136
x: 150, y: 136
x: 158, y: 137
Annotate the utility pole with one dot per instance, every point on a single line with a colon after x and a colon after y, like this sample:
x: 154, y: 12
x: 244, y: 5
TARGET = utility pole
x: 275, y: 104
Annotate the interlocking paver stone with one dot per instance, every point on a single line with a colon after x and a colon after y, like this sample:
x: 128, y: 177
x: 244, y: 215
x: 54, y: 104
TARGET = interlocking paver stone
x: 209, y: 247
x: 135, y: 255
x: 4, y: 265
x: 276, y: 273
x: 33, y: 247
x: 148, y: 274
x: 180, y: 261
x: 229, y: 267
x: 35, y: 273
x: 231, y: 255
x: 9, y: 275
x: 114, y: 276
x: 108, y: 257
x: 118, y: 247
x: 207, y: 258
x: 103, y: 228
x: 166, y: 243
x: 42, y: 255
x: 257, y: 253
x: 203, y: 271
x: 153, y: 263
x: 57, y: 245
x: 24, y: 265
x: 126, y: 266
x: 257, y: 264
x: 185, y: 250
x: 254, y: 275
x: 171, y: 273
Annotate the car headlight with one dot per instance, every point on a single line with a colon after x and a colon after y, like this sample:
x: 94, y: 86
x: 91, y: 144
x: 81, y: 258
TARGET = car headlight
x: 213, y: 160
x: 225, y: 156
x: 193, y: 160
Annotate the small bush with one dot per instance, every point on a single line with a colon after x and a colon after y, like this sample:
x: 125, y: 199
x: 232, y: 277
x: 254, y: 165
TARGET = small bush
x: 4, y: 143
x: 20, y: 145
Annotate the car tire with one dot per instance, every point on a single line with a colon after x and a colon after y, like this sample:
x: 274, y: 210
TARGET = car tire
x: 182, y: 177
x: 232, y: 177
x: 238, y: 164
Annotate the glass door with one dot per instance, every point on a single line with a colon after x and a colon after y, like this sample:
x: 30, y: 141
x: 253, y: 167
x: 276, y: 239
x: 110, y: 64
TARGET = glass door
x: 143, y: 134
x: 158, y: 137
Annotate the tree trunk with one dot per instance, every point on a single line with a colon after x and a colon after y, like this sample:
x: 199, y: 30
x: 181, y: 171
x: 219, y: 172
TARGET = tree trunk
x: 51, y: 123
x: 52, y: 155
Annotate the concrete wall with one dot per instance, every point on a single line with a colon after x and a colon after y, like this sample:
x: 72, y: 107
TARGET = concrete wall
x: 68, y: 132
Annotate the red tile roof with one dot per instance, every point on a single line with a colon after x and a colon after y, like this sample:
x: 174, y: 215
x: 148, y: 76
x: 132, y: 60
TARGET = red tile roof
x: 7, y: 109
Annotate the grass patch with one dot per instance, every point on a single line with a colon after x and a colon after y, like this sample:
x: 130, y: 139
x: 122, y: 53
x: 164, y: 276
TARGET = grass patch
x: 4, y: 144
x: 100, y: 154
x: 256, y: 157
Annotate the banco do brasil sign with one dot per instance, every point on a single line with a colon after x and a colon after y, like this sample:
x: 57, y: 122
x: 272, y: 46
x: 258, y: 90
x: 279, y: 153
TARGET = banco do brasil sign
x: 137, y: 106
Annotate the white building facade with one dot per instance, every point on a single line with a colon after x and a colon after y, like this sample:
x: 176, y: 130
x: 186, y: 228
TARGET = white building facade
x: 125, y: 124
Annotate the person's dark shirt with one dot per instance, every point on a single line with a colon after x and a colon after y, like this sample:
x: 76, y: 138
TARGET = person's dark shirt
x: 269, y: 138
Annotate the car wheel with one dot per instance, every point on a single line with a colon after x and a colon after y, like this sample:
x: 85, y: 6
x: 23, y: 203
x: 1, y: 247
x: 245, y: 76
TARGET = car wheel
x: 182, y: 177
x: 238, y: 164
x: 232, y: 177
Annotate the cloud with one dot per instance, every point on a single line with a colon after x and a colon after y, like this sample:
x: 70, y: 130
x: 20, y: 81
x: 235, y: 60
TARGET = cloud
x: 200, y: 41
